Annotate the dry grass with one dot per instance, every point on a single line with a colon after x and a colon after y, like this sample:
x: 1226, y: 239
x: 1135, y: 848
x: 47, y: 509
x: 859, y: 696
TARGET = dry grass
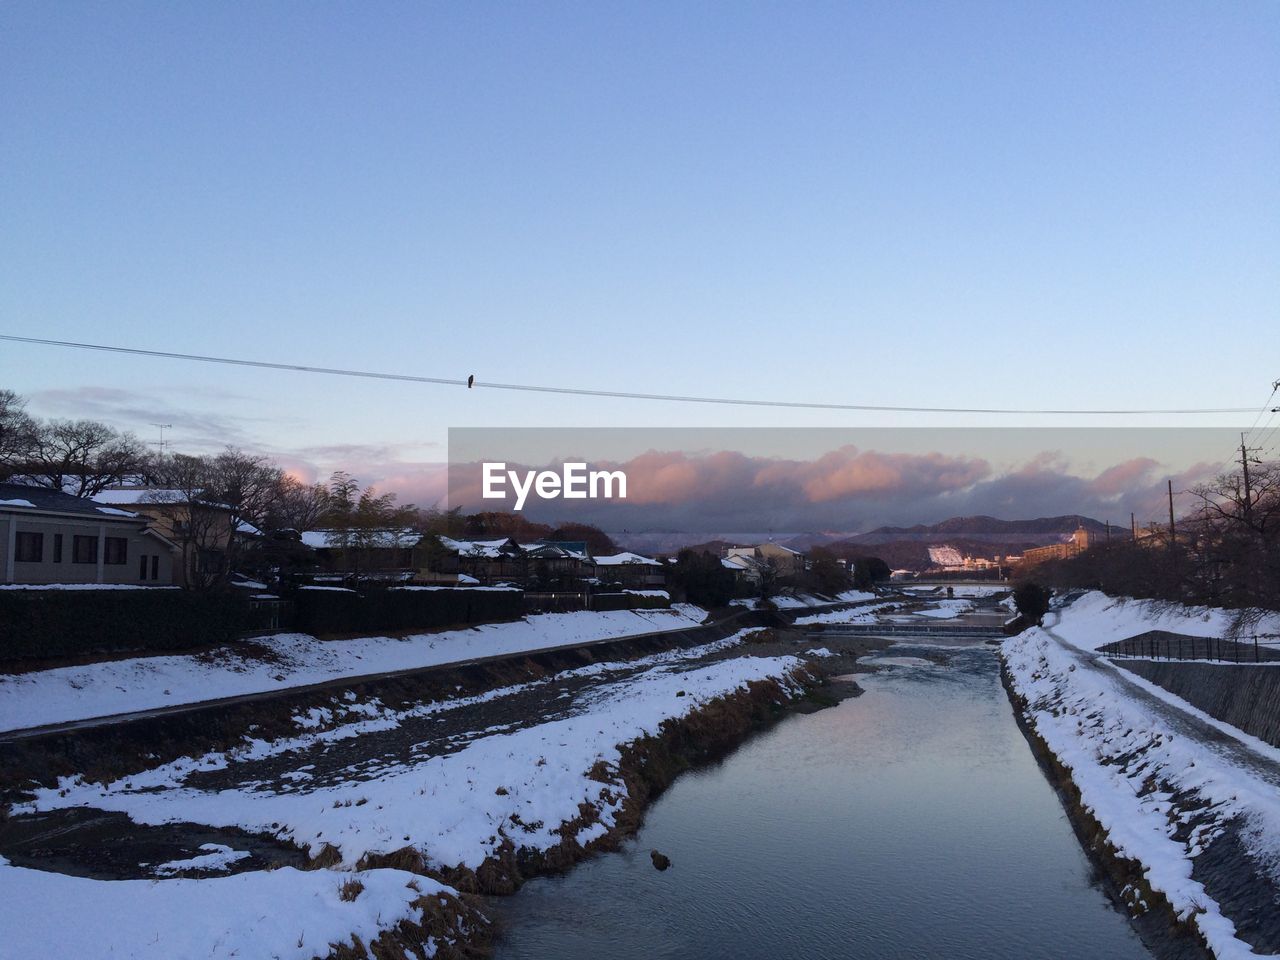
x: 350, y: 889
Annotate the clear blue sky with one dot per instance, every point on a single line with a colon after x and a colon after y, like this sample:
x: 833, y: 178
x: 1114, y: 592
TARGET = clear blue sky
x: 1076, y: 204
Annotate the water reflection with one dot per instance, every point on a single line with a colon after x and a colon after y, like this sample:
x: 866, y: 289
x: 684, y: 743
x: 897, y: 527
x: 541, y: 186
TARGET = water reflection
x: 911, y: 822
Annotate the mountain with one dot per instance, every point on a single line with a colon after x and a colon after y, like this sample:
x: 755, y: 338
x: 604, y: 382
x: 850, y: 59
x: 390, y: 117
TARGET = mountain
x: 986, y: 529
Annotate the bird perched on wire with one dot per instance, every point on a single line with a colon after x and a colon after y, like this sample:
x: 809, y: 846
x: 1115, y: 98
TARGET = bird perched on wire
x: 471, y: 381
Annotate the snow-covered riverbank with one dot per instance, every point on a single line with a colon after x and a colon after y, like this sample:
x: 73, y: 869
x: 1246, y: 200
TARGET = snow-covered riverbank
x: 556, y: 783
x: 1163, y: 780
x: 287, y: 660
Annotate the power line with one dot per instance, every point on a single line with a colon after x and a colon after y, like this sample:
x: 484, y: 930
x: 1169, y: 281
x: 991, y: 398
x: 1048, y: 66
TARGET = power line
x: 582, y: 392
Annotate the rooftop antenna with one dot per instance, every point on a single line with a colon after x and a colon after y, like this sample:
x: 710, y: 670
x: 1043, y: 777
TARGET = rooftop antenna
x: 162, y: 427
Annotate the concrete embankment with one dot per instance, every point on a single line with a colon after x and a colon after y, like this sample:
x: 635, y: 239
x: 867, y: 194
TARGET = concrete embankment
x: 1247, y: 696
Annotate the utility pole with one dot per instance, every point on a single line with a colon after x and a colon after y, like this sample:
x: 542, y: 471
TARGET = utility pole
x: 1248, y: 492
x: 1173, y: 533
x: 1133, y: 527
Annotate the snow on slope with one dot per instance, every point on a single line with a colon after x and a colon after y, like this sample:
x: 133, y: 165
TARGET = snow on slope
x: 1115, y: 745
x: 520, y: 783
x: 143, y: 683
x: 283, y: 913
x: 1095, y: 619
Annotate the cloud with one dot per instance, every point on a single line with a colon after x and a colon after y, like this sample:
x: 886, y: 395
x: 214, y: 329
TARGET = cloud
x: 200, y: 431
x: 845, y: 489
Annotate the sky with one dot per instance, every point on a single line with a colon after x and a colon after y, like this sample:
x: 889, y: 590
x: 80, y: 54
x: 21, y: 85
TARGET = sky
x: 973, y: 204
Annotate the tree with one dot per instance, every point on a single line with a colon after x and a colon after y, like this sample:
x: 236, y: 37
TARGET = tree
x: 1032, y: 601
x: 83, y: 457
x: 361, y: 522
x: 205, y: 531
x: 868, y: 571
x: 17, y: 434
x: 702, y: 578
x: 298, y: 506
x: 825, y: 575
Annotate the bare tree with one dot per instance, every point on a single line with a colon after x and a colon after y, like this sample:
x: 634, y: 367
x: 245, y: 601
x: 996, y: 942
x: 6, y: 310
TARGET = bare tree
x: 299, y: 506
x: 17, y: 434
x: 83, y: 457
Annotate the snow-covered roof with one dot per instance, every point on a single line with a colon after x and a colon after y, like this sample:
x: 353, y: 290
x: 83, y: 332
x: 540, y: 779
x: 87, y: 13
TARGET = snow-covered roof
x: 625, y: 557
x: 135, y: 496
x: 486, y: 549
x: 320, y: 539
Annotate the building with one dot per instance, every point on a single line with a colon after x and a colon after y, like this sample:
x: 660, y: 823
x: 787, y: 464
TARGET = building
x: 203, y: 530
x: 488, y: 561
x: 1080, y: 541
x: 52, y: 537
x: 631, y: 570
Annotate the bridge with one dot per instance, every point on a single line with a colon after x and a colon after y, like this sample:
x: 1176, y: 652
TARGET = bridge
x: 978, y: 631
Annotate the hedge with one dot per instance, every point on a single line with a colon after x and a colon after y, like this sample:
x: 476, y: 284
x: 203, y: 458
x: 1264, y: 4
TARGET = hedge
x: 401, y: 609
x: 57, y: 623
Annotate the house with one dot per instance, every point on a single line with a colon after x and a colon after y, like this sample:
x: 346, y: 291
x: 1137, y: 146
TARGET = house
x: 631, y: 570
x: 52, y: 537
x: 557, y: 564
x: 203, y: 530
x: 363, y: 549
x: 786, y: 561
x: 488, y: 561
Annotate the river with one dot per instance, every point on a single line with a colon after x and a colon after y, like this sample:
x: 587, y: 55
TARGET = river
x: 909, y: 822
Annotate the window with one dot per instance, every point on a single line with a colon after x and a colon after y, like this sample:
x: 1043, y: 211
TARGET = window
x: 84, y: 549
x: 117, y: 550
x: 155, y: 568
x: 28, y: 547
x: 142, y: 567
x: 57, y: 548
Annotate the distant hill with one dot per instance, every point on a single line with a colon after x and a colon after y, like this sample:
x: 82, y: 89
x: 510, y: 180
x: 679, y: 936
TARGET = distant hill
x: 985, y: 529
x: 900, y: 547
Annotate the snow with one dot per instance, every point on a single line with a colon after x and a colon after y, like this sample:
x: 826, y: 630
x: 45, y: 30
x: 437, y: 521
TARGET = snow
x: 455, y: 808
x: 856, y: 615
x: 1095, y: 620
x: 142, y: 683
x: 460, y: 581
x: 17, y: 503
x: 112, y: 511
x: 946, y: 609
x: 286, y: 913
x: 648, y: 593
x: 217, y: 857
x: 330, y: 589
x: 1094, y: 718
x: 321, y: 539
x: 83, y: 586
x: 618, y: 559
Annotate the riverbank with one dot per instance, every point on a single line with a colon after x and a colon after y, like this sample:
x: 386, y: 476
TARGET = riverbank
x: 1183, y: 810
x: 474, y: 794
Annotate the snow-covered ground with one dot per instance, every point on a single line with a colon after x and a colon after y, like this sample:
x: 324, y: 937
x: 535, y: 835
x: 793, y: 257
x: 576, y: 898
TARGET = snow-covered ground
x: 946, y: 609
x: 865, y: 614
x: 294, y: 659
x: 1095, y: 620
x: 284, y: 913
x: 1119, y: 737
x: 455, y: 806
x: 802, y: 600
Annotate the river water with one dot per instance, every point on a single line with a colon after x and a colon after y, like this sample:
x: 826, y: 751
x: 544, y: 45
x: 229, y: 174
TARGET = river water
x: 910, y: 822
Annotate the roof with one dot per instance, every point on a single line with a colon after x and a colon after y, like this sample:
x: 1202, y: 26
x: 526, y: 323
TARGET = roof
x: 321, y: 539
x: 20, y: 497
x: 484, y: 549
x: 140, y: 495
x: 625, y: 557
